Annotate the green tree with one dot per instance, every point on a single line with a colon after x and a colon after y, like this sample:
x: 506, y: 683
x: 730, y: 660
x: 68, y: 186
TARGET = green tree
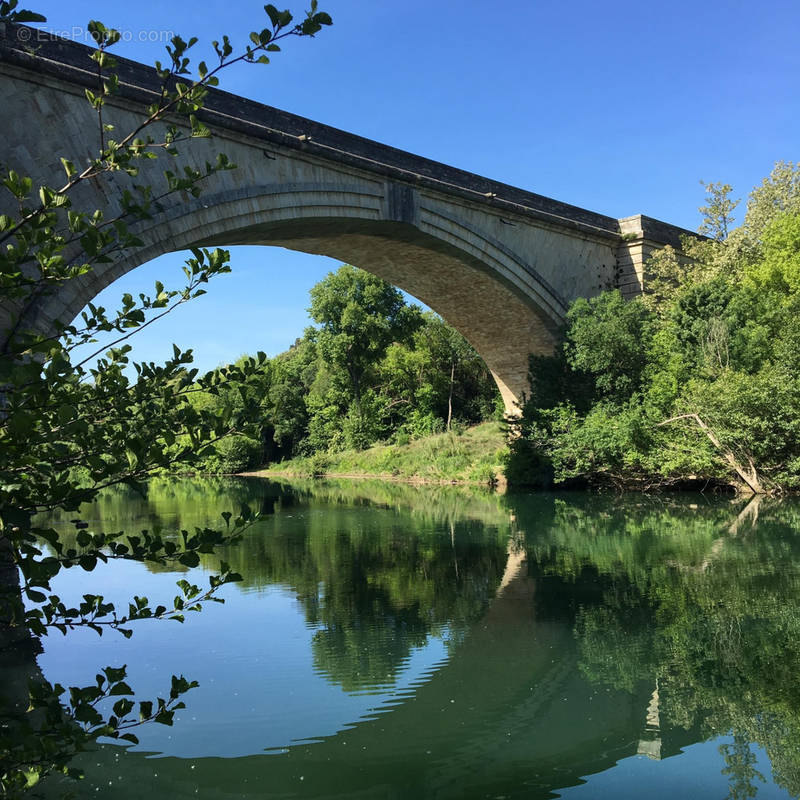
x: 359, y: 316
x: 457, y: 372
x: 69, y: 429
x: 294, y: 373
x: 778, y: 270
x: 699, y: 380
x: 426, y: 377
x: 435, y: 379
x: 778, y: 194
x: 608, y: 339
x: 718, y: 214
x: 245, y: 405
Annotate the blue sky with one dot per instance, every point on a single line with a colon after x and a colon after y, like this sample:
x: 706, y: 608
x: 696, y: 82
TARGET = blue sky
x: 622, y: 108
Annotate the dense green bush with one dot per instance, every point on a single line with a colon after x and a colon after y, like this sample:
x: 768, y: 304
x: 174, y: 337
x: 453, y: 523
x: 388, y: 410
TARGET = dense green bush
x: 698, y: 380
x: 234, y: 454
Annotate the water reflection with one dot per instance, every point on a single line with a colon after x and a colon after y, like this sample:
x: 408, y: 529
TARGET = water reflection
x: 472, y: 644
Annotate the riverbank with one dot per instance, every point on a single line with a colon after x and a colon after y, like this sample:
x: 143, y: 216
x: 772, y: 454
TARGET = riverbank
x: 471, y: 456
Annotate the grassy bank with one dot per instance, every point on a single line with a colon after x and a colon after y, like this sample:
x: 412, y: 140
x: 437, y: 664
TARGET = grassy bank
x: 474, y: 455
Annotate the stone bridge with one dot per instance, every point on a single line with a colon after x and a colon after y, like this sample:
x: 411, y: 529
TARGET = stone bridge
x: 498, y: 263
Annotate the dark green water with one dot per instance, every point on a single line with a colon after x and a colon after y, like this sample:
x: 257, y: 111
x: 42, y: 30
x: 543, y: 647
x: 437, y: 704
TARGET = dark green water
x: 391, y: 641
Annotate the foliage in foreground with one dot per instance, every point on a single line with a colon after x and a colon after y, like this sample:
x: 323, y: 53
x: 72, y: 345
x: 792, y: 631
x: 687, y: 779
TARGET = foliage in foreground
x: 696, y: 381
x: 69, y: 429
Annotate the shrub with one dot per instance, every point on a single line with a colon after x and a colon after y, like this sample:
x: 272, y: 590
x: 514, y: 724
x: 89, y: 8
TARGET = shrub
x: 318, y: 465
x: 483, y: 473
x: 234, y: 454
x: 401, y: 437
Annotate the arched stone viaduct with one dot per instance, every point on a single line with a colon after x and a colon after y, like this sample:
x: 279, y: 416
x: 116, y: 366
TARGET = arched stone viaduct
x: 498, y: 263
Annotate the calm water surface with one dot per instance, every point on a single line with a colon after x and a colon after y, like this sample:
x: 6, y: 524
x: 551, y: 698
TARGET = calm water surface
x: 391, y: 641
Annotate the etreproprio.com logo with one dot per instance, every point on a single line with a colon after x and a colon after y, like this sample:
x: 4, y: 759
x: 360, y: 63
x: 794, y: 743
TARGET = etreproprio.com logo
x: 78, y: 33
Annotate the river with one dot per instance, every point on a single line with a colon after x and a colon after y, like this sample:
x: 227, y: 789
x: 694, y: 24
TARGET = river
x: 393, y: 641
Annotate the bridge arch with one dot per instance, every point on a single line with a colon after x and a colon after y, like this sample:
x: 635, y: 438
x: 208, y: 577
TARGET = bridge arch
x: 484, y: 290
x: 499, y: 263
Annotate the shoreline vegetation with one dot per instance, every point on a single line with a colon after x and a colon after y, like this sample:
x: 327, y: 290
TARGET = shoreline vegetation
x: 696, y: 380
x: 694, y: 384
x: 469, y: 456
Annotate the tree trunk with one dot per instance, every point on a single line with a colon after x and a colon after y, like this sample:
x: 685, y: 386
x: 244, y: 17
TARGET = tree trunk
x: 18, y: 649
x: 450, y: 396
x: 748, y: 475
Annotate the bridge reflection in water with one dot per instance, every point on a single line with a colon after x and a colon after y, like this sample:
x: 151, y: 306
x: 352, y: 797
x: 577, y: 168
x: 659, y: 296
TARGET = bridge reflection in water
x: 531, y: 697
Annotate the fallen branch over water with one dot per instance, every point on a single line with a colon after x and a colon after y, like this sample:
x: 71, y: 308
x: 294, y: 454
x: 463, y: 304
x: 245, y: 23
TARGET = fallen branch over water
x: 749, y: 476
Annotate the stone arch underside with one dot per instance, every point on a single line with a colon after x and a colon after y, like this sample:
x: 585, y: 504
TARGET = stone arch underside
x: 489, y: 295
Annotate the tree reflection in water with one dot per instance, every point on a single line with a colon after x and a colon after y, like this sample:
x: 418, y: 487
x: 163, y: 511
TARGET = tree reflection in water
x: 677, y: 617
